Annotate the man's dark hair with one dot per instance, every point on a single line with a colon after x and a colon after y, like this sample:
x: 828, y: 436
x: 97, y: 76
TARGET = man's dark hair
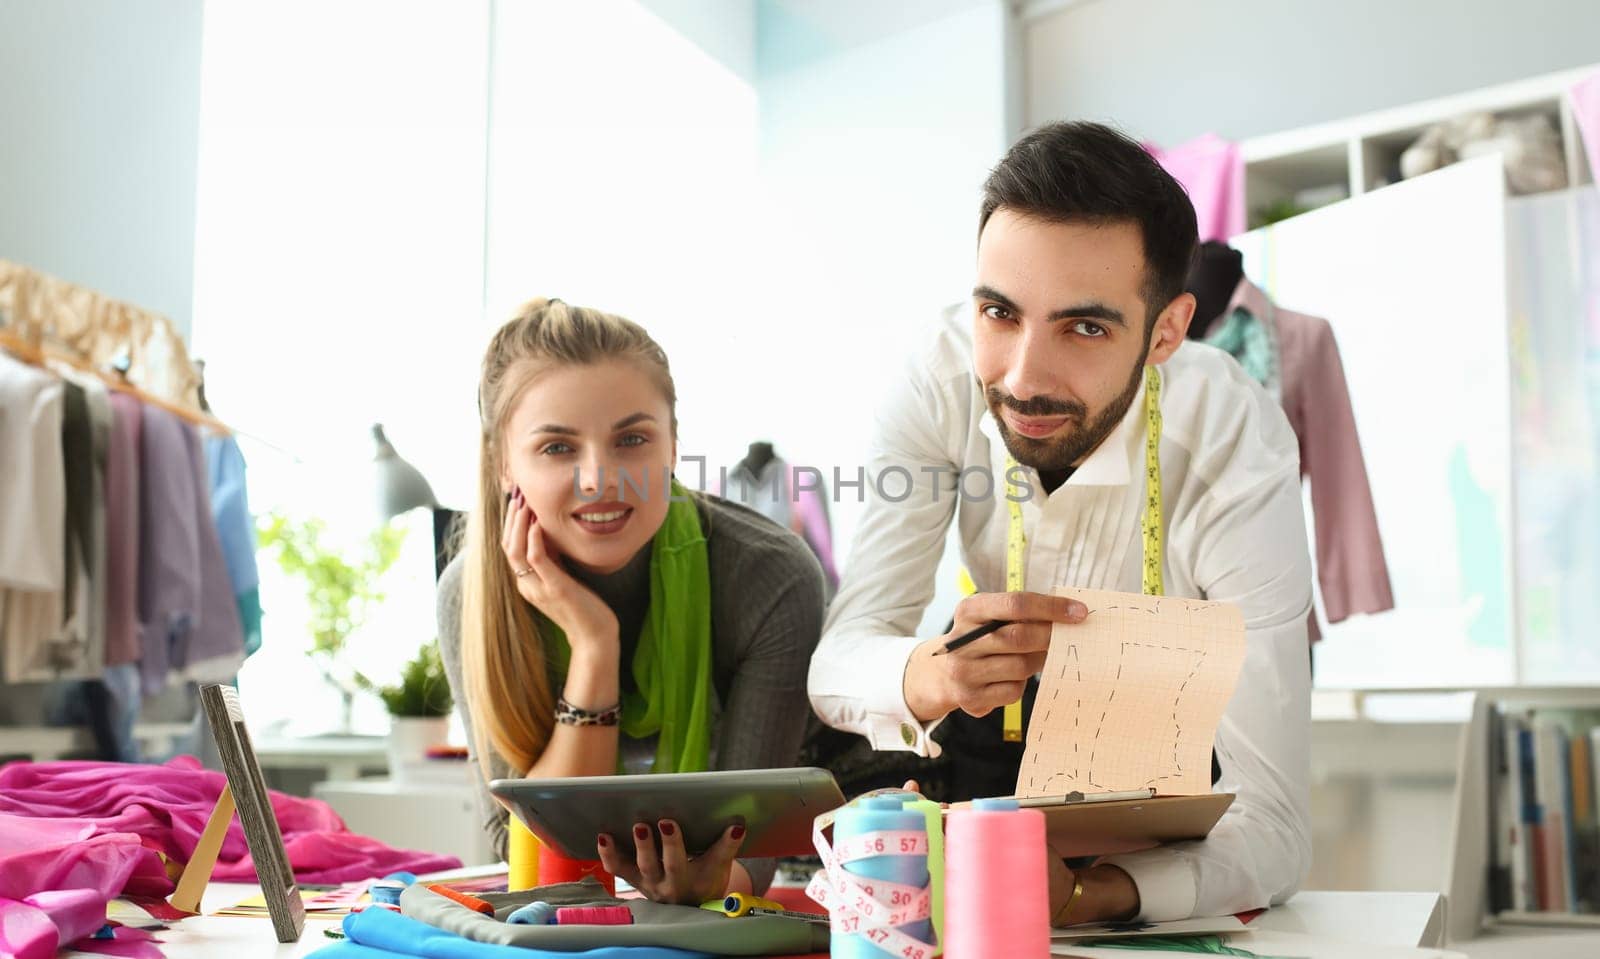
x: 1074, y: 171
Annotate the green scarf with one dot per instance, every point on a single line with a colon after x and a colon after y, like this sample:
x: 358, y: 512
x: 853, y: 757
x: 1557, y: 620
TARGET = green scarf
x: 672, y: 664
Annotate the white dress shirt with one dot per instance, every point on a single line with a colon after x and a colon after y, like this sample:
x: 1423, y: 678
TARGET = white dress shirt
x: 32, y: 516
x: 1235, y: 532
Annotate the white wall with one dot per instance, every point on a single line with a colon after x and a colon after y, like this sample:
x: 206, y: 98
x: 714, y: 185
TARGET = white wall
x: 99, y: 116
x: 799, y: 230
x: 724, y: 29
x: 632, y: 191
x: 339, y: 282
x: 874, y: 145
x: 1167, y: 70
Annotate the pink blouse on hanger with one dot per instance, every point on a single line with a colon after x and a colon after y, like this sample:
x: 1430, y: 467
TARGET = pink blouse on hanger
x: 1211, y: 171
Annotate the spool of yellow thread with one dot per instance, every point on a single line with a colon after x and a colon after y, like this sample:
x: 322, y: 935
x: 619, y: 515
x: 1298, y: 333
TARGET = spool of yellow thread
x: 522, y: 855
x: 933, y: 814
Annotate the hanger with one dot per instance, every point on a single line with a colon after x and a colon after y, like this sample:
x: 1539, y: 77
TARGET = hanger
x: 42, y: 355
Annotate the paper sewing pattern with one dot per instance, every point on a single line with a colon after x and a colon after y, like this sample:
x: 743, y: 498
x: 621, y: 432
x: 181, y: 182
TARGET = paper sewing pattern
x: 1131, y: 697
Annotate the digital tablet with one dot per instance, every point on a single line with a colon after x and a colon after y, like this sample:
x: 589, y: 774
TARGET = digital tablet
x: 776, y: 807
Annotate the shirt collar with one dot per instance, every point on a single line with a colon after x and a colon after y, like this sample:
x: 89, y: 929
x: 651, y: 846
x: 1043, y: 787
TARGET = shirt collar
x: 1109, y: 465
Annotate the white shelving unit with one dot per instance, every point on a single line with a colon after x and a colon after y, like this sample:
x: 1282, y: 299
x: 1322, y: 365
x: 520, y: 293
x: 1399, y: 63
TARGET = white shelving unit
x: 1360, y: 154
x: 1381, y: 266
x: 1467, y: 872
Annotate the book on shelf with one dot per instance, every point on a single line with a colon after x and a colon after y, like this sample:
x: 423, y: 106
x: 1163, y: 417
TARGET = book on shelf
x: 1544, y: 811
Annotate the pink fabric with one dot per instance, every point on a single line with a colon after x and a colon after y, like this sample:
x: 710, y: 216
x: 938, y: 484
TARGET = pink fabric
x: 1212, y: 172
x: 812, y: 511
x: 167, y: 807
x: 56, y: 877
x: 1352, y: 575
x: 1586, y: 110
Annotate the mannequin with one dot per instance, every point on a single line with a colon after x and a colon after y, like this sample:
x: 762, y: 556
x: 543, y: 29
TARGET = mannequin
x: 781, y: 498
x: 757, y: 457
x: 1213, y: 278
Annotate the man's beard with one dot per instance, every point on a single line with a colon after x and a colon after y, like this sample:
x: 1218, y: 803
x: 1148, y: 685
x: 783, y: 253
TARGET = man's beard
x: 1062, y: 451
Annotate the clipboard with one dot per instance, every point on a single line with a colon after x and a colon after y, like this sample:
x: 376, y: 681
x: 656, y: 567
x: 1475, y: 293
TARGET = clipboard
x: 1126, y: 825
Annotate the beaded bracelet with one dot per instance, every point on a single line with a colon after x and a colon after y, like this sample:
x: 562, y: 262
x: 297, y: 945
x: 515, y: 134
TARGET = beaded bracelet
x: 571, y: 715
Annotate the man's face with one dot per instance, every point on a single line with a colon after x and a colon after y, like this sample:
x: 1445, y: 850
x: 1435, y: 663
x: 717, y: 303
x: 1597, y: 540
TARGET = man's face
x: 1059, y: 333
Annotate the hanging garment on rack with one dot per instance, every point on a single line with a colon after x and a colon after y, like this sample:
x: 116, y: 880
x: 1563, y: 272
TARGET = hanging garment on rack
x: 230, y: 508
x: 1212, y: 173
x: 33, y: 545
x: 122, y: 531
x: 47, y: 632
x: 32, y: 474
x: 100, y: 440
x: 169, y: 544
x: 1352, y: 575
x: 215, y: 648
x: 77, y: 702
x: 188, y: 621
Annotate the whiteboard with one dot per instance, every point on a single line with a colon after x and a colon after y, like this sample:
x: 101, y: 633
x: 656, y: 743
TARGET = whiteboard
x: 1553, y: 248
x: 1412, y: 278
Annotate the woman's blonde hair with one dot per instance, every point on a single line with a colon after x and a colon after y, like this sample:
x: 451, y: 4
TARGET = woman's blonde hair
x: 502, y: 655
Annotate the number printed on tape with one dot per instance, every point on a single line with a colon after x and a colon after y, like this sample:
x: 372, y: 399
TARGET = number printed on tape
x: 871, y: 909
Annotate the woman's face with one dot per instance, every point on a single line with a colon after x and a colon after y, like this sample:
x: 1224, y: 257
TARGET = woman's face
x: 591, y: 448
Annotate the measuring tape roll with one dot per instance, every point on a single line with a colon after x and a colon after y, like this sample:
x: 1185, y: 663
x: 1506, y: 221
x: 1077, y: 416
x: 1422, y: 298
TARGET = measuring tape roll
x: 879, y: 913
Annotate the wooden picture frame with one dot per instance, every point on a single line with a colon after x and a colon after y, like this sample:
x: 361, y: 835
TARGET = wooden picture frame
x: 249, y: 793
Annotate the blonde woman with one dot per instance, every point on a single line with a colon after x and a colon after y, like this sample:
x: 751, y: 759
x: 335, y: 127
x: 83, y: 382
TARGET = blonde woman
x: 601, y: 618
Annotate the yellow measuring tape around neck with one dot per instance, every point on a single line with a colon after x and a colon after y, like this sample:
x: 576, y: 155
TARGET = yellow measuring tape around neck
x: 1149, y: 524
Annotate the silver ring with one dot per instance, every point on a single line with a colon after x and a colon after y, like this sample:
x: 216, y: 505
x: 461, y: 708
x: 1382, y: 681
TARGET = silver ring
x: 523, y: 572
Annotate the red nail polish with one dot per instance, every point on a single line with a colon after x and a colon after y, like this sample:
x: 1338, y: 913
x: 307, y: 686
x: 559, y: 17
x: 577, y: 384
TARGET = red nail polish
x: 641, y: 832
x: 603, y: 841
x: 668, y: 828
x: 737, y: 833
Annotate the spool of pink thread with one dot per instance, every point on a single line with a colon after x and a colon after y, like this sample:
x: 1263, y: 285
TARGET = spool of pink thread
x: 594, y: 916
x: 996, y: 882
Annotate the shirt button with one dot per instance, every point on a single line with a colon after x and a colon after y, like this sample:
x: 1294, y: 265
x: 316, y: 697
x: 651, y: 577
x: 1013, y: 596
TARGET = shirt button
x: 908, y: 734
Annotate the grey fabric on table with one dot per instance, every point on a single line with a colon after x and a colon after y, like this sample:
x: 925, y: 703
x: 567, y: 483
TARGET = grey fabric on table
x: 766, y: 618
x: 654, y: 924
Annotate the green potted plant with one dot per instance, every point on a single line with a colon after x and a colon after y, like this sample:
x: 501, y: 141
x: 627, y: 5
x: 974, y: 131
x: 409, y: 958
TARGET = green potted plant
x: 341, y: 589
x: 419, y: 710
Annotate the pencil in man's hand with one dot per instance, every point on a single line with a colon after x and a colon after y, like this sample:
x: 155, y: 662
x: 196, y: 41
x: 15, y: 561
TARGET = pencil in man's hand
x: 971, y: 636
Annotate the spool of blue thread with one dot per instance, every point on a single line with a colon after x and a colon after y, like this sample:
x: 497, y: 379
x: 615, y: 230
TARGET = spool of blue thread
x: 876, y: 814
x: 535, y: 913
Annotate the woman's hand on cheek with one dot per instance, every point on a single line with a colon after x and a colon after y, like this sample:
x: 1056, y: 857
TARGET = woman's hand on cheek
x: 667, y: 873
x: 588, y: 622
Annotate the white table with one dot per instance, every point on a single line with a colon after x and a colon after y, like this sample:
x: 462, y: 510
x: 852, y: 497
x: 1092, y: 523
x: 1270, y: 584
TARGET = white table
x: 1380, y: 918
x: 1530, y: 942
x: 233, y: 937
